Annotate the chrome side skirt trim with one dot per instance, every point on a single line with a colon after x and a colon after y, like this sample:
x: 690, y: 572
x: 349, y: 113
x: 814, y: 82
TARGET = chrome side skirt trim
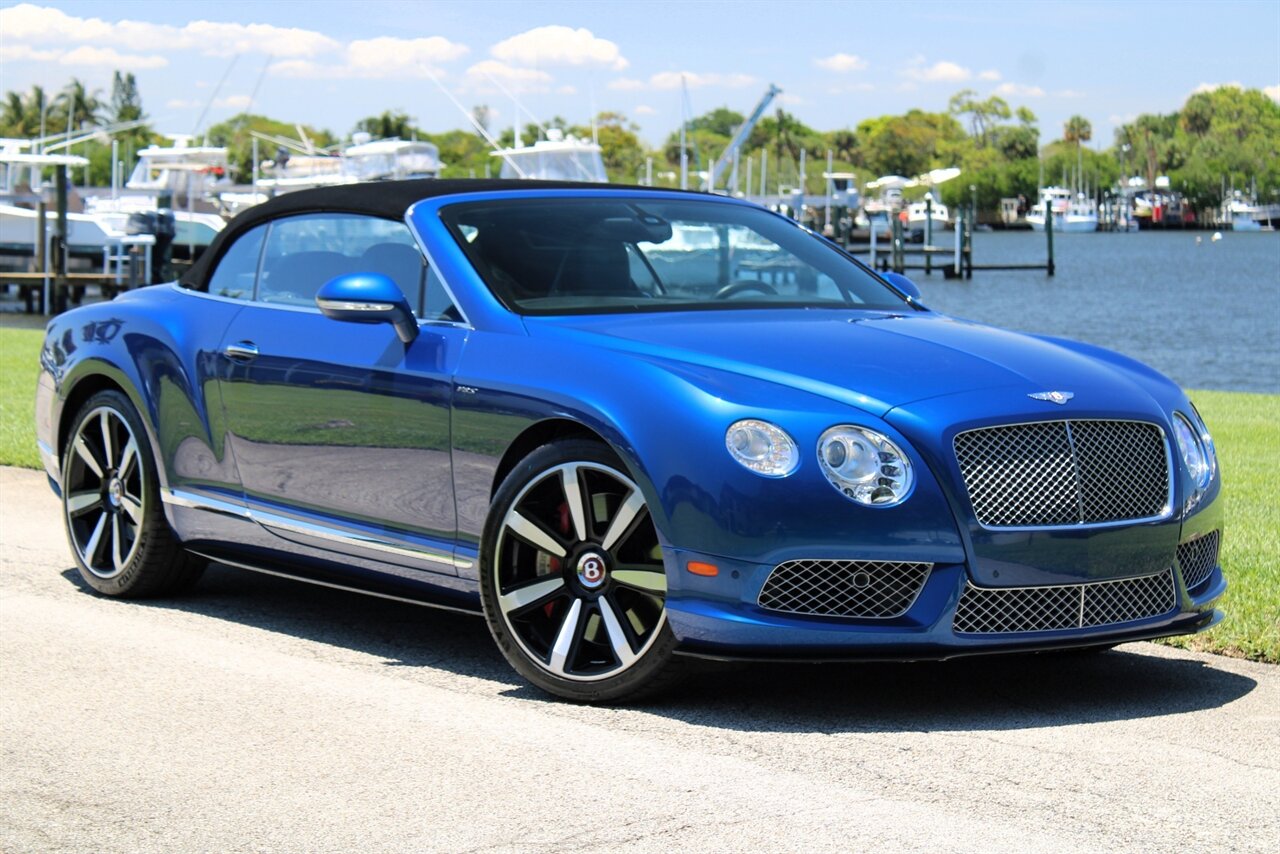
x: 50, y: 461
x: 332, y: 586
x: 179, y: 498
x: 278, y: 523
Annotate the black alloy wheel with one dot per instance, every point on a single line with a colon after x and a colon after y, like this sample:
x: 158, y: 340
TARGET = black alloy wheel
x: 115, y: 524
x: 572, y: 577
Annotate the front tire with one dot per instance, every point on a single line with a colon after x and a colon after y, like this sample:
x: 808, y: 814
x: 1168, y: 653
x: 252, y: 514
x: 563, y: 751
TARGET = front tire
x: 119, y: 537
x: 572, y: 579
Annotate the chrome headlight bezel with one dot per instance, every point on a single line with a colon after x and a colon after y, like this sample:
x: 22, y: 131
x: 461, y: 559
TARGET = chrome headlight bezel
x: 865, y: 466
x: 762, y: 448
x: 1191, y: 451
x: 1206, y: 442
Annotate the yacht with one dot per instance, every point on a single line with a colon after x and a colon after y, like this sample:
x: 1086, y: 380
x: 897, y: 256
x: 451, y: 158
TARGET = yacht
x: 919, y: 212
x: 559, y: 157
x: 1071, y: 211
x: 1242, y: 212
x: 191, y: 176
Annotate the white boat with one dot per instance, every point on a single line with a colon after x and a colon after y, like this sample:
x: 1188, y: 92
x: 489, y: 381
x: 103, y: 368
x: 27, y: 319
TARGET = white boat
x: 559, y: 157
x: 1243, y: 213
x: 389, y: 159
x: 883, y: 200
x: 918, y: 213
x: 190, y: 176
x: 20, y: 184
x: 1071, y: 211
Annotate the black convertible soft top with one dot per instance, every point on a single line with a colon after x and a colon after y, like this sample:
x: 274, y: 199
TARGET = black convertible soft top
x: 388, y: 199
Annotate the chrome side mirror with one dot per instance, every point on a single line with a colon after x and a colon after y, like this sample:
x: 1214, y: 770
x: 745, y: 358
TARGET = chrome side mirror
x: 368, y: 298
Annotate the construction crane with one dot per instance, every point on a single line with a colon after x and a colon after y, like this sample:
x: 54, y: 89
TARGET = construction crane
x: 739, y: 137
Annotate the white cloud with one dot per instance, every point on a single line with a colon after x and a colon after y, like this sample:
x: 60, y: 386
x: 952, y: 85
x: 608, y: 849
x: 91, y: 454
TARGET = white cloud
x: 181, y: 104
x: 392, y: 57
x: 34, y: 24
x: 1272, y: 92
x: 218, y: 39
x: 1019, y: 90
x: 626, y: 84
x: 234, y: 102
x: 566, y: 90
x: 694, y: 80
x: 841, y: 63
x: 559, y: 45
x: 482, y: 76
x: 379, y: 58
x: 989, y: 74
x: 30, y: 23
x: 1069, y: 93
x: 1213, y: 87
x: 23, y: 53
x: 939, y: 72
x: 87, y: 55
x: 791, y: 100
x: 645, y: 110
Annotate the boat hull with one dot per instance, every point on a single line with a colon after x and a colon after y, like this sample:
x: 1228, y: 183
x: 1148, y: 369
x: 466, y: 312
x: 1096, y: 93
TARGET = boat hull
x: 1066, y: 223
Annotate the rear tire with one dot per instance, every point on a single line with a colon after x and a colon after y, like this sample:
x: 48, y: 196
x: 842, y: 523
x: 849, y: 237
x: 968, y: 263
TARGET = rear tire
x: 122, y: 543
x: 572, y: 579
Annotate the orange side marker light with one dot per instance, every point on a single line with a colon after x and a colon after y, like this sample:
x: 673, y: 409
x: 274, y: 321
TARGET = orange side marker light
x: 710, y: 570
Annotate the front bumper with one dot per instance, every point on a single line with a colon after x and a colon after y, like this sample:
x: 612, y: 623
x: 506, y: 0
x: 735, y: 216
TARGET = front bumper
x: 710, y: 624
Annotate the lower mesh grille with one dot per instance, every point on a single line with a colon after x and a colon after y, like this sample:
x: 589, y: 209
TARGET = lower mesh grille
x: 844, y: 588
x: 1198, y: 558
x: 984, y: 610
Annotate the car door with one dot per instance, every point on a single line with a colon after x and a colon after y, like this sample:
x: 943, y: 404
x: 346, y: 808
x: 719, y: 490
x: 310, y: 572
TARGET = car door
x: 339, y: 430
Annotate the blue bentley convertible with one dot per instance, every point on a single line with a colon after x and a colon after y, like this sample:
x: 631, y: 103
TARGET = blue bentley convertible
x: 630, y: 426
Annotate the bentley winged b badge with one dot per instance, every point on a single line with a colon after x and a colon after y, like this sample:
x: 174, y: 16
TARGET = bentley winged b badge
x: 1058, y: 397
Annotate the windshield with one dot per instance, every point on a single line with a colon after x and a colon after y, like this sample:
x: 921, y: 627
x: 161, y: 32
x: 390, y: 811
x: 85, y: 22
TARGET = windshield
x: 588, y: 256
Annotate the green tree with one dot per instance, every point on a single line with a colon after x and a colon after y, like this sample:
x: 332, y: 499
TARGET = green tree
x: 236, y: 133
x: 80, y: 106
x: 389, y: 124
x: 909, y: 144
x: 983, y: 115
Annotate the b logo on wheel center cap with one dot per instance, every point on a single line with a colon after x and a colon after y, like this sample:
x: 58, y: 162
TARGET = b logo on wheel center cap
x: 591, y: 570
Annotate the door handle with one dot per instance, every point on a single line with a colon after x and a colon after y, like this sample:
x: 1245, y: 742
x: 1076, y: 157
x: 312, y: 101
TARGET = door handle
x: 243, y: 351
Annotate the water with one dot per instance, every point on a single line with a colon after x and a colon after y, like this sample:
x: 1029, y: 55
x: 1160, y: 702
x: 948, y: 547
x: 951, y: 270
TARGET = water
x: 1206, y: 315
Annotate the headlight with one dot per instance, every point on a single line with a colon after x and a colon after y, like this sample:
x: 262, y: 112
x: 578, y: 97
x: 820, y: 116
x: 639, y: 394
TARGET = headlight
x: 760, y: 446
x: 1206, y: 441
x: 1191, y: 451
x: 865, y: 465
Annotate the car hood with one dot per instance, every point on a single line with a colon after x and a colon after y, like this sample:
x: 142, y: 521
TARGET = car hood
x: 873, y: 360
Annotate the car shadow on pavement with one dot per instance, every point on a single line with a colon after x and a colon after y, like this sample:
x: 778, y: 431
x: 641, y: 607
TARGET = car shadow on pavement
x: 403, y: 634
x: 985, y: 693
x: 991, y: 692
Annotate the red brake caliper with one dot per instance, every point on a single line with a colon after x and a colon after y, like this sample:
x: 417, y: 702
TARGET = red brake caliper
x: 562, y: 523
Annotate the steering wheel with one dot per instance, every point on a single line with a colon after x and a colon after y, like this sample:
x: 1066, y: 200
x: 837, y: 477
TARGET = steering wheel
x: 743, y: 286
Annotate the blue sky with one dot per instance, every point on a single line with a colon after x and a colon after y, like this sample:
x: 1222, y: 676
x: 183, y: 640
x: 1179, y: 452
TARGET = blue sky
x: 327, y: 63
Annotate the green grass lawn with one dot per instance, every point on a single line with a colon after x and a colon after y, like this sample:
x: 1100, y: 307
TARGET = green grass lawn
x: 1245, y: 428
x: 19, y: 366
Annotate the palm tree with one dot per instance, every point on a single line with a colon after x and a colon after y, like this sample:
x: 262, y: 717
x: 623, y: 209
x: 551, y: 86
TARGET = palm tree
x: 1078, y: 130
x: 81, y: 107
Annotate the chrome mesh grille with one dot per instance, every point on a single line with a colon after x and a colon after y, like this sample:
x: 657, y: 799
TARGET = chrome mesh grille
x: 1197, y: 558
x: 984, y: 610
x: 844, y: 588
x: 1055, y: 473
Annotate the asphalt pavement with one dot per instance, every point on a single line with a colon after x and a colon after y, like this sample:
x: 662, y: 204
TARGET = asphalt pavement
x: 259, y: 714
